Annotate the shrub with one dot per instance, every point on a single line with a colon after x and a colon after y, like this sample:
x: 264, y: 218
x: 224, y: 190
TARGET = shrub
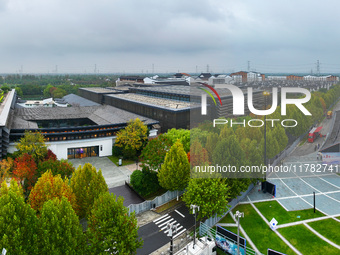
x: 145, y: 182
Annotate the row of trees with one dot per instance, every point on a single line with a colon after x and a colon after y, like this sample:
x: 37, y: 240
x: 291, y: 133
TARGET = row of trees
x: 36, y: 85
x: 42, y: 209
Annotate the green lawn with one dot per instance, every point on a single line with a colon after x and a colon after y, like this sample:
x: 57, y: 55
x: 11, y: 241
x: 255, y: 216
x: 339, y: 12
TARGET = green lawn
x: 273, y: 209
x: 226, y: 219
x: 306, y: 242
x: 125, y: 162
x: 328, y: 228
x: 259, y: 232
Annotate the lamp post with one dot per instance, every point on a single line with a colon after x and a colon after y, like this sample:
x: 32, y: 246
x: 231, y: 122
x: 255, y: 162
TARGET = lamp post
x: 194, y: 207
x: 238, y: 215
x: 265, y: 94
x: 172, y: 228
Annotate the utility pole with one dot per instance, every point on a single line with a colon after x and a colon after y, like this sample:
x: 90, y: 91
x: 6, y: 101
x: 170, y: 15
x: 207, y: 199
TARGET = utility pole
x: 265, y: 94
x: 194, y: 207
x: 238, y: 215
x: 248, y: 66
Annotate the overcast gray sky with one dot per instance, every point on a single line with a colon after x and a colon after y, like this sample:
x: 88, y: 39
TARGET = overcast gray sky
x: 73, y: 36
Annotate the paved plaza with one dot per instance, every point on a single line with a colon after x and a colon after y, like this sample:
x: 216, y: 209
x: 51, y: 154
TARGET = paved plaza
x: 113, y: 175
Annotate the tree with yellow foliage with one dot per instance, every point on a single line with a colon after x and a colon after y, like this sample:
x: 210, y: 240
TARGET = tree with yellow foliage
x: 33, y: 143
x: 49, y: 187
x: 133, y: 138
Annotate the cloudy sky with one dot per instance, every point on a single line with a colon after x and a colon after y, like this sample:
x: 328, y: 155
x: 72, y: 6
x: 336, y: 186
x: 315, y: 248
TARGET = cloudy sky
x: 135, y: 36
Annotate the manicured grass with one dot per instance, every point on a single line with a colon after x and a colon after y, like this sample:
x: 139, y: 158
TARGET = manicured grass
x: 328, y: 228
x: 259, y: 232
x: 273, y: 209
x: 125, y: 162
x: 306, y: 242
x: 226, y: 219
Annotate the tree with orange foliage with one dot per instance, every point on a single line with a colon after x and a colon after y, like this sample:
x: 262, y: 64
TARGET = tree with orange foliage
x: 24, y: 171
x: 198, y: 155
x: 49, y: 187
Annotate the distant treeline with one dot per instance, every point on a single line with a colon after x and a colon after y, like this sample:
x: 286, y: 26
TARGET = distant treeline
x: 53, y: 85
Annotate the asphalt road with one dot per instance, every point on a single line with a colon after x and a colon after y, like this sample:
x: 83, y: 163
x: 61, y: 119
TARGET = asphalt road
x: 308, y: 148
x: 154, y: 234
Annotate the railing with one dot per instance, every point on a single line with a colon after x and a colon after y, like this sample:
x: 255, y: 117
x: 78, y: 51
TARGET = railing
x: 205, y: 230
x: 157, y: 201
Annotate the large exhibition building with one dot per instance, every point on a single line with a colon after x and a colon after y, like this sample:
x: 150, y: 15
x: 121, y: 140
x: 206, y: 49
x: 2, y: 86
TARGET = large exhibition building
x: 70, y: 132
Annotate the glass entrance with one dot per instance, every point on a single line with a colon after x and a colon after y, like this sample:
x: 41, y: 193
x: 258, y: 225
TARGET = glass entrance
x: 83, y: 152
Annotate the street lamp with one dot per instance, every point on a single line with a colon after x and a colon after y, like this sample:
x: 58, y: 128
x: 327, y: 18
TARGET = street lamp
x: 265, y: 94
x: 172, y: 228
x: 194, y: 207
x: 238, y: 215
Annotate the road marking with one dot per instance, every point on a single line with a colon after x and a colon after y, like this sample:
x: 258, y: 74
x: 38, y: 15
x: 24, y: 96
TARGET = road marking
x: 166, y: 222
x: 170, y: 222
x: 160, y: 218
x: 179, y: 233
x: 180, y: 213
x: 166, y: 218
x: 178, y: 227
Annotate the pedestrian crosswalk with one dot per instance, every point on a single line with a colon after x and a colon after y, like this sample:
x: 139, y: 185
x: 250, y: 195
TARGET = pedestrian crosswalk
x: 162, y: 223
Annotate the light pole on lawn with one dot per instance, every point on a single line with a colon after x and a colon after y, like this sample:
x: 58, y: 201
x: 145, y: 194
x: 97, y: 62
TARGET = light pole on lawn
x: 238, y: 215
x: 265, y: 94
x: 194, y: 207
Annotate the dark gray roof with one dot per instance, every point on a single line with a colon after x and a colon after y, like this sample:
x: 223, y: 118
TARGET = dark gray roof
x: 101, y: 115
x: 76, y: 100
x: 187, y: 90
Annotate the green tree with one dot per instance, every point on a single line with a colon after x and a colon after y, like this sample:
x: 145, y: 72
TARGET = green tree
x: 145, y: 182
x: 87, y: 184
x: 111, y: 230
x: 226, y: 132
x: 59, y: 229
x: 33, y: 143
x: 59, y: 93
x: 132, y: 138
x: 19, y: 91
x: 212, y: 140
x: 154, y: 152
x: 18, y: 225
x: 47, y: 91
x: 5, y: 89
x: 175, y: 172
x: 229, y: 152
x: 210, y: 194
x: 200, y: 135
x: 180, y: 134
x: 62, y: 167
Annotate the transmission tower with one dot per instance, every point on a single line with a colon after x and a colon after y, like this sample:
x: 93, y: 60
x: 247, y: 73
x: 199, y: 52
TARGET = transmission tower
x: 318, y: 67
